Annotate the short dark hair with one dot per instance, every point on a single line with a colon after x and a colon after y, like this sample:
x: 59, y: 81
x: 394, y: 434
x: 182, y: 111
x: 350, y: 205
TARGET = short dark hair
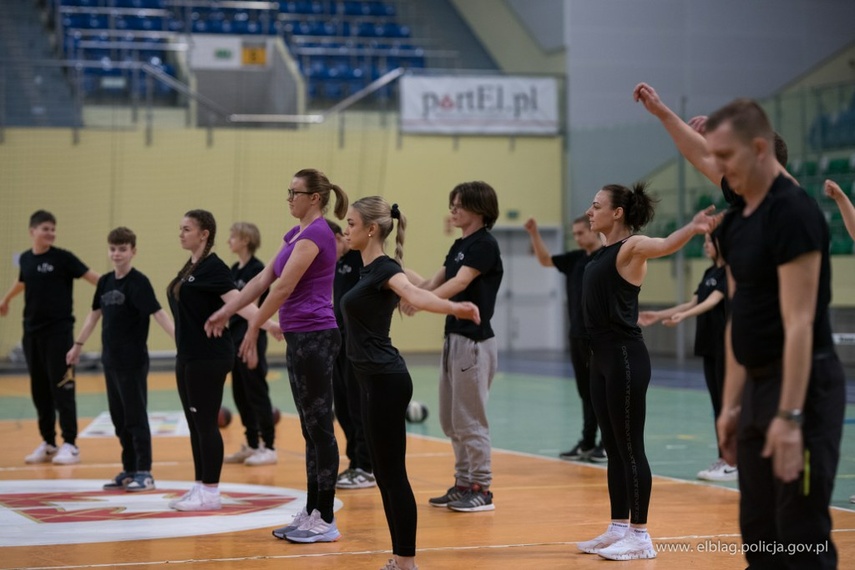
x: 747, y: 118
x: 781, y: 151
x: 122, y: 235
x: 479, y: 198
x: 583, y: 219
x: 41, y: 216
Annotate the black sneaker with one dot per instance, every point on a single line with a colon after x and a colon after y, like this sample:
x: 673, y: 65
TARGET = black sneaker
x: 577, y: 453
x: 473, y: 501
x: 598, y: 455
x: 453, y: 494
x: 120, y: 481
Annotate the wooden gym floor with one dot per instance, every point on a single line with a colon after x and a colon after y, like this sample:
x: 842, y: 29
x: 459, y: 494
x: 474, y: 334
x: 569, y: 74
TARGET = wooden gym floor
x: 543, y: 505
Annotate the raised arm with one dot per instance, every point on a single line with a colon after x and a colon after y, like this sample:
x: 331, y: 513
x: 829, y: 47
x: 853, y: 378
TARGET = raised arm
x: 847, y: 210
x: 691, y: 143
x: 73, y: 354
x: 427, y: 301
x: 16, y: 289
x: 537, y: 243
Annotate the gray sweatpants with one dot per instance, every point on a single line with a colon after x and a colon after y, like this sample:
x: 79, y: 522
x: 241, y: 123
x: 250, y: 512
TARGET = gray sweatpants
x: 466, y: 374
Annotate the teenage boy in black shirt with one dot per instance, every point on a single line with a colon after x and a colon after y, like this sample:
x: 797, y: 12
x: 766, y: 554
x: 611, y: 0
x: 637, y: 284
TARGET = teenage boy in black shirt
x: 46, y: 278
x: 126, y: 300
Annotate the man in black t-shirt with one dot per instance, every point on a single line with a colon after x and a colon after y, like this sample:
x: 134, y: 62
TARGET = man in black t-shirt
x: 46, y: 278
x: 126, y: 300
x: 572, y: 265
x: 784, y: 392
x: 472, y: 272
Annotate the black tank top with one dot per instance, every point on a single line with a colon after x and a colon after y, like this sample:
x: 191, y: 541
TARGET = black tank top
x: 609, y: 302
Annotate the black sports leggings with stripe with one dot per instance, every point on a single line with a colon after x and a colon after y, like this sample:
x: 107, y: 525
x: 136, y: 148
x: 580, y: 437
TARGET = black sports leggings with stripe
x: 620, y: 374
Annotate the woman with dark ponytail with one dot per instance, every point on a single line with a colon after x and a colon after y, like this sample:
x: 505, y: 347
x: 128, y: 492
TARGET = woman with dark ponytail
x: 300, y: 279
x: 202, y: 286
x: 620, y: 364
x: 381, y: 372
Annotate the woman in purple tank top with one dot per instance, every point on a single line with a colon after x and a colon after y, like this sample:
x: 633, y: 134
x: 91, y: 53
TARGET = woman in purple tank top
x: 300, y: 280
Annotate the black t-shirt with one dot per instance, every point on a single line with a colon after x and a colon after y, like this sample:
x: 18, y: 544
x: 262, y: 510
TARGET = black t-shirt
x: 609, y: 302
x: 198, y: 298
x: 126, y: 306
x: 709, y: 330
x: 787, y: 224
x: 368, y: 309
x: 480, y: 251
x: 48, y: 280
x: 241, y: 276
x: 346, y: 276
x: 572, y: 264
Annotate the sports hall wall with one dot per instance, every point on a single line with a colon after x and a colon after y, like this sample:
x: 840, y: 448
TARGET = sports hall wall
x: 112, y: 177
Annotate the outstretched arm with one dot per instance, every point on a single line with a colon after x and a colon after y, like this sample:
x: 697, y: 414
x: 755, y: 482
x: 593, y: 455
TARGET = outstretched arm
x: 427, y: 301
x: 647, y: 318
x: 651, y: 247
x: 217, y: 322
x: 699, y: 308
x: 847, y: 210
x: 92, y: 277
x: 540, y: 249
x: 691, y: 143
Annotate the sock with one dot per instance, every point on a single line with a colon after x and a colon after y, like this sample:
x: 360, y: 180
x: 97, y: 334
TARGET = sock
x: 618, y: 527
x: 211, y: 491
x: 641, y: 533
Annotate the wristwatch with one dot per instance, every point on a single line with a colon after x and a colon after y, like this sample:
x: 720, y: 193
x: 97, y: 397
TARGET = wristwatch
x: 794, y: 416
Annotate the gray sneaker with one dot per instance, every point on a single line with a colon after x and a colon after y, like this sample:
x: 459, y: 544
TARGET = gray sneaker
x: 473, y: 501
x: 454, y: 493
x: 358, y: 479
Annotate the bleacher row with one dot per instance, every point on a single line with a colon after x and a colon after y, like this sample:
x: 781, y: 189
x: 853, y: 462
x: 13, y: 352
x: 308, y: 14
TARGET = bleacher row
x: 836, y: 130
x: 340, y: 46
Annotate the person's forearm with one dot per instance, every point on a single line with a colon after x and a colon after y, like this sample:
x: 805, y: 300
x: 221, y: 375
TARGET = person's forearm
x: 797, y: 361
x: 87, y: 328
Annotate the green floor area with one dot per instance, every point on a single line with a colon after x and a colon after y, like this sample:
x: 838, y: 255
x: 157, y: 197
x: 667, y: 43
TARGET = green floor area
x: 533, y: 414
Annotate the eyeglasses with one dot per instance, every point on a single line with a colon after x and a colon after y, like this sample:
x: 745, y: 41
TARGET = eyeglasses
x: 455, y: 207
x: 292, y: 193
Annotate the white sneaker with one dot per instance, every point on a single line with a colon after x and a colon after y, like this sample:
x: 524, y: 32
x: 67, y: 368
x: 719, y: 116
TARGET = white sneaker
x: 240, y: 455
x: 299, y: 519
x: 356, y: 479
x: 67, y: 455
x: 42, y: 454
x: 262, y: 456
x: 201, y: 500
x: 185, y: 496
x: 315, y: 529
x: 633, y: 546
x: 612, y: 535
x: 720, y: 470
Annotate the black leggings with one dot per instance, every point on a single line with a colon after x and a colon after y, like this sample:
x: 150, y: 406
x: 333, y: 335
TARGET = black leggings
x: 620, y: 374
x: 384, y: 408
x: 348, y: 411
x: 580, y: 356
x: 309, y: 360
x: 714, y: 376
x: 200, y: 387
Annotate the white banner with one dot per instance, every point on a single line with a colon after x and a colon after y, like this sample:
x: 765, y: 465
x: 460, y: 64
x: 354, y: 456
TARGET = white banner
x: 453, y: 104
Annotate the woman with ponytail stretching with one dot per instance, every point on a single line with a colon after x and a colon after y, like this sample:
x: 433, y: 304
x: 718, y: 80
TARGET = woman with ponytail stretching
x: 381, y: 372
x: 620, y: 364
x: 300, y: 279
x: 202, y: 286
